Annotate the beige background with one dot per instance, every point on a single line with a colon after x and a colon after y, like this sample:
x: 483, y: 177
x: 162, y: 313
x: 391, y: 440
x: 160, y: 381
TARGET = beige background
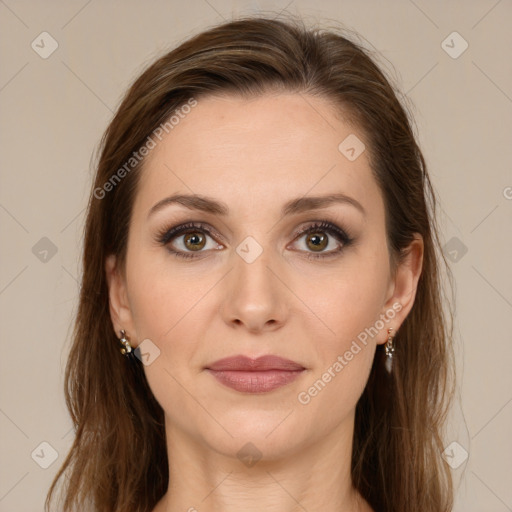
x: 54, y: 110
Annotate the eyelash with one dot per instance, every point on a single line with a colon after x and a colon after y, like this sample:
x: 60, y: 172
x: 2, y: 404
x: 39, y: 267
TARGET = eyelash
x: 165, y: 235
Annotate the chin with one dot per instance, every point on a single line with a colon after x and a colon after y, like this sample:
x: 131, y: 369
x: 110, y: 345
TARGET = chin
x: 269, y: 436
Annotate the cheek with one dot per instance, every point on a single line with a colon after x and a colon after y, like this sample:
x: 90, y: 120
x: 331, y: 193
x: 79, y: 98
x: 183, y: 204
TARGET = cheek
x: 172, y: 306
x: 343, y: 359
x: 344, y: 300
x: 343, y: 330
x: 166, y: 309
x: 162, y: 296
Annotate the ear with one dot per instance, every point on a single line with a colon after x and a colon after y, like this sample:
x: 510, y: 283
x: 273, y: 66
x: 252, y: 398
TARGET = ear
x: 402, y: 288
x: 120, y: 311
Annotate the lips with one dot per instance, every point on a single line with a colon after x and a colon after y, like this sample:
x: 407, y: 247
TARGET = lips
x: 259, y: 375
x: 246, y: 364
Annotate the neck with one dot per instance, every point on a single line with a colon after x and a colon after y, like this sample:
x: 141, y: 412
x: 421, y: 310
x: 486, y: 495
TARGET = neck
x: 313, y: 477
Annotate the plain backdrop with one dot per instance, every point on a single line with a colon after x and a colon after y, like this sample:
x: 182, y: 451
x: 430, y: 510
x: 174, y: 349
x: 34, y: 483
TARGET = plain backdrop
x: 64, y: 67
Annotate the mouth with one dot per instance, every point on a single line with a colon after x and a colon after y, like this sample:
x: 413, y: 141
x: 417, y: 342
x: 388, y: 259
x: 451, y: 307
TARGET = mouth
x: 259, y: 375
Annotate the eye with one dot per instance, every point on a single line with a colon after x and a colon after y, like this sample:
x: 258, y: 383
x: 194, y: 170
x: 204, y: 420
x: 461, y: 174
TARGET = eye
x: 193, y: 239
x: 317, y: 239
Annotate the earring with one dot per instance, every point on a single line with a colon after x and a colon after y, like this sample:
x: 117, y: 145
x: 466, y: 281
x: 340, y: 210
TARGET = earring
x: 127, y: 348
x: 389, y: 348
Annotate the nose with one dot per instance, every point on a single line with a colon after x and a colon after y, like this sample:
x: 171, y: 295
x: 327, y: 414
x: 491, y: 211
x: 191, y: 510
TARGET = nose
x: 255, y: 296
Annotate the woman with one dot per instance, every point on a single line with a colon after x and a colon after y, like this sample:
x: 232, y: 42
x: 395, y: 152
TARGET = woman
x: 260, y: 324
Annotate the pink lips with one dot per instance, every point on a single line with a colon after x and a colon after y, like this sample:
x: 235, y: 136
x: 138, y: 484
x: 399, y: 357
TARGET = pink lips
x: 259, y: 375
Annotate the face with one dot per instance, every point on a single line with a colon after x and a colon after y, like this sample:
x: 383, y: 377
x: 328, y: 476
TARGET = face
x: 275, y: 273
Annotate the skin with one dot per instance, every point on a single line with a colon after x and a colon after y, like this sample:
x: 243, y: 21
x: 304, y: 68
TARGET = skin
x: 255, y: 155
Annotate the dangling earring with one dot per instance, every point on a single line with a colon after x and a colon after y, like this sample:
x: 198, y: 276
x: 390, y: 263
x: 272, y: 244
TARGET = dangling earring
x: 389, y: 348
x: 127, y: 348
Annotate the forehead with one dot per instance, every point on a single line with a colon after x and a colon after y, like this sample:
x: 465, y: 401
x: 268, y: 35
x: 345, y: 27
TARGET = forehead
x: 258, y: 152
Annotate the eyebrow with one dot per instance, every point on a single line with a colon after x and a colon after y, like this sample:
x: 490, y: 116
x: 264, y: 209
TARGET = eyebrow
x: 299, y: 205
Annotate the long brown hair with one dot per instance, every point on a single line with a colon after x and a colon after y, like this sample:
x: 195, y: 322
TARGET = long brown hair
x: 118, y: 460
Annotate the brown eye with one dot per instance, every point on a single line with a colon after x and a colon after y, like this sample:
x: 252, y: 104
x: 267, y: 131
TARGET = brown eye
x: 323, y: 240
x: 188, y: 240
x: 194, y: 241
x: 317, y: 241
